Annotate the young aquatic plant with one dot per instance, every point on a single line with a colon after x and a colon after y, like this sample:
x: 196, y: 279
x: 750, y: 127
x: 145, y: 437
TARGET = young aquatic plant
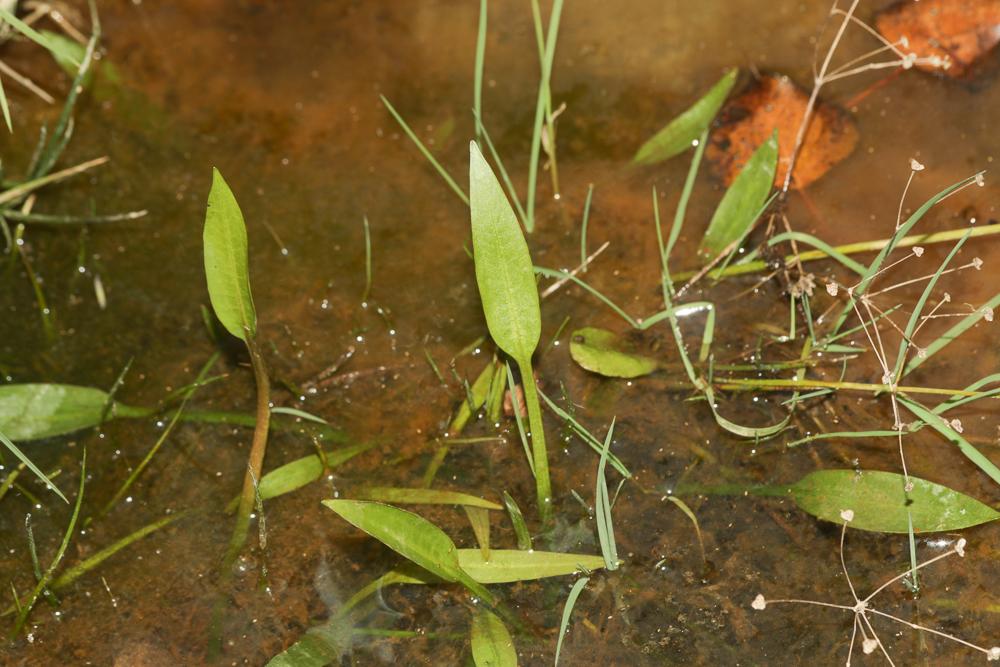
x: 863, y: 610
x: 228, y: 277
x: 510, y: 298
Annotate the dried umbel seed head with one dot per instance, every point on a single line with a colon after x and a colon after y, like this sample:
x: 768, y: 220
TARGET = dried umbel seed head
x: 869, y: 646
x: 980, y: 180
x: 759, y: 603
x: 993, y: 654
x: 956, y: 425
x: 977, y: 263
x: 960, y: 547
x: 831, y: 288
x: 918, y: 251
x: 907, y: 63
x: 847, y: 515
x: 987, y: 314
x: 916, y: 166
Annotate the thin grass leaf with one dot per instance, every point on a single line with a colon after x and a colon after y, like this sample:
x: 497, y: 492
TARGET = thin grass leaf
x: 574, y: 594
x: 602, y: 508
x: 426, y: 153
x: 954, y: 332
x: 850, y: 435
x: 957, y: 400
x: 477, y: 82
x: 419, y: 496
x: 368, y: 261
x: 826, y: 248
x: 301, y: 414
x: 583, y: 227
x: 44, y: 581
x: 479, y: 519
x: 585, y: 435
x: 940, y: 425
x: 517, y: 521
x: 226, y: 270
x: 740, y: 205
x: 914, y: 584
x: 31, y: 466
x: 543, y: 95
x: 901, y: 232
x: 5, y: 108
x: 918, y: 309
x: 601, y: 351
x: 57, y: 49
x: 476, y: 397
x: 683, y: 507
x: 492, y: 645
x: 682, y: 132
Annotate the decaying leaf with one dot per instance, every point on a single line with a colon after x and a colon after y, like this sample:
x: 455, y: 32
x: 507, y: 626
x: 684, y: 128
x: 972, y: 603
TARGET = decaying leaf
x: 775, y: 102
x: 960, y: 33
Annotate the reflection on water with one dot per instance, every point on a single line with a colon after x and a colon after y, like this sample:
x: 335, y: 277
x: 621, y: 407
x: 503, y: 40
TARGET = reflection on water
x: 285, y: 101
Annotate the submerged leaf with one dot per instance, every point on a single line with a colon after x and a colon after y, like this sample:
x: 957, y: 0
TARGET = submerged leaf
x: 880, y: 503
x: 492, y: 645
x: 36, y: 411
x: 504, y: 272
x: 776, y: 103
x: 685, y: 129
x: 957, y: 33
x: 302, y: 472
x: 743, y: 200
x: 225, y: 241
x: 602, y: 352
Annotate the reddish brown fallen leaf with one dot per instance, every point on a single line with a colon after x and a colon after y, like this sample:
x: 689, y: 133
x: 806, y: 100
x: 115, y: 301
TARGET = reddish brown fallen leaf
x: 961, y: 31
x: 774, y: 101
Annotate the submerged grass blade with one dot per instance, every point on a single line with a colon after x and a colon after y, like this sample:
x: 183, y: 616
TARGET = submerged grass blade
x: 954, y: 332
x: 574, y: 594
x: 517, y: 521
x: 940, y: 425
x: 602, y: 508
x: 426, y: 153
x: 31, y: 466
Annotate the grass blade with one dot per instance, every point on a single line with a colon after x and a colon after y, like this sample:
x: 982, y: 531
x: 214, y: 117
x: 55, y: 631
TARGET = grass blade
x: 574, y: 594
x: 543, y: 95
x: 31, y: 466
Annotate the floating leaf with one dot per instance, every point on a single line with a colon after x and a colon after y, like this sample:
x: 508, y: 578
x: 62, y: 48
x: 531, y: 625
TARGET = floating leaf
x: 960, y: 33
x: 225, y: 241
x: 509, y: 565
x: 602, y: 352
x: 504, y: 272
x: 683, y: 130
x: 775, y: 103
x: 425, y: 497
x: 492, y: 645
x: 302, y: 472
x: 880, y: 503
x: 742, y: 202
x: 36, y: 411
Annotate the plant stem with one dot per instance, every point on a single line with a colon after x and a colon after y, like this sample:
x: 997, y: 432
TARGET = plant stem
x: 539, y: 454
x: 255, y: 463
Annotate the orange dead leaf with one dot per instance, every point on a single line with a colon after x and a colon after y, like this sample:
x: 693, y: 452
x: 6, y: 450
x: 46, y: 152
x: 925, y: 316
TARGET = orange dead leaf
x: 960, y: 31
x: 774, y: 101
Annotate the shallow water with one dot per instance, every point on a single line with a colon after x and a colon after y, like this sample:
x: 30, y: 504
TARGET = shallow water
x: 286, y: 104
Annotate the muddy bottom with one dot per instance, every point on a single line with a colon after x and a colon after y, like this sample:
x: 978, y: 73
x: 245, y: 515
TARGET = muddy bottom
x: 284, y: 99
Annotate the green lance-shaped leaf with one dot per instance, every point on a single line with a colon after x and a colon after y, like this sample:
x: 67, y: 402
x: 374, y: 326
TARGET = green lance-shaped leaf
x: 503, y: 265
x: 742, y: 202
x: 682, y: 131
x: 225, y: 241
x: 492, y: 645
x: 411, y: 536
x: 602, y: 352
x: 880, y: 503
x: 36, y: 411
x: 507, y: 289
x: 509, y: 565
